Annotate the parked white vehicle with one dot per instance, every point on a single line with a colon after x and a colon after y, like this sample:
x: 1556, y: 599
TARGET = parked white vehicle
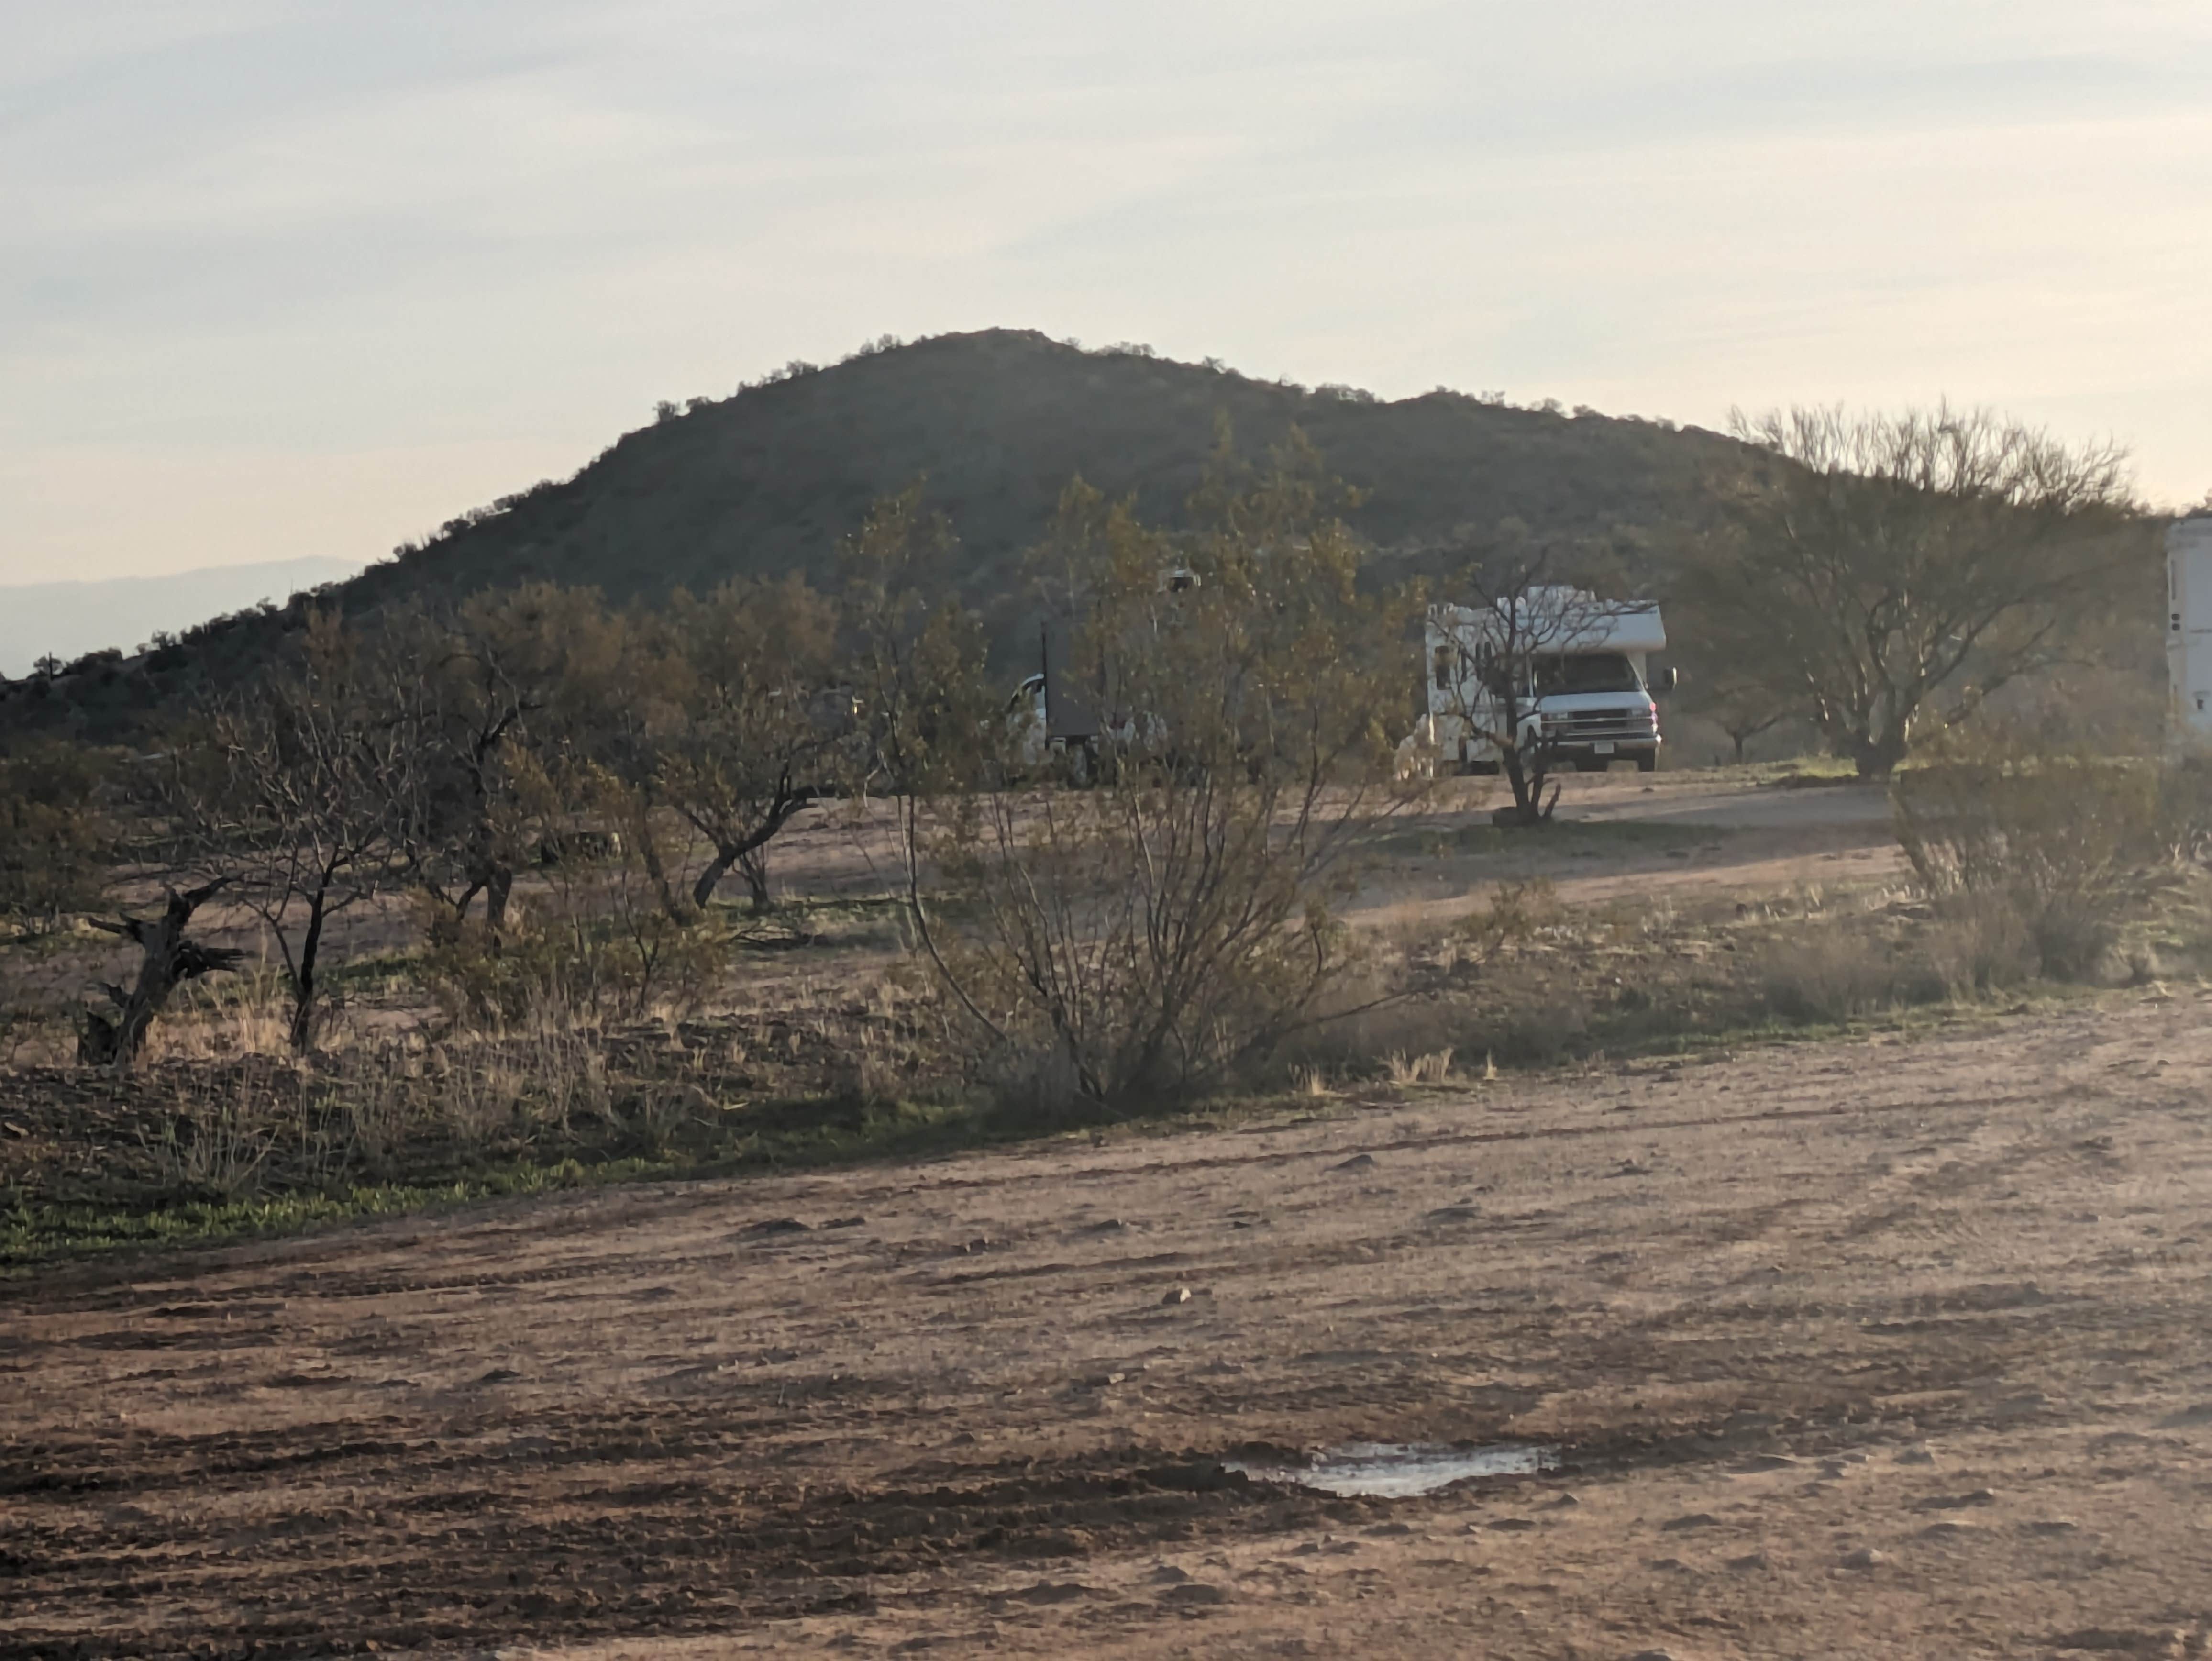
x: 2189, y: 628
x: 1049, y: 718
x: 1567, y: 671
x: 1033, y: 738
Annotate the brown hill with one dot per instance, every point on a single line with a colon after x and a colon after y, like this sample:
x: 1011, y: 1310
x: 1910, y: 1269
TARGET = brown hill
x: 994, y: 424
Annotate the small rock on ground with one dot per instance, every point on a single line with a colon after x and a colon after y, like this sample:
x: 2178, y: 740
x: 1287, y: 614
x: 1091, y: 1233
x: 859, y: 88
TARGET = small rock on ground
x: 1052, y: 1592
x: 1960, y: 1501
x: 1194, y: 1594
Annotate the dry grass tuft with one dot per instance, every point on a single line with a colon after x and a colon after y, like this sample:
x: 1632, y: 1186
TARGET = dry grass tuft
x: 1434, y: 1068
x: 218, y: 1150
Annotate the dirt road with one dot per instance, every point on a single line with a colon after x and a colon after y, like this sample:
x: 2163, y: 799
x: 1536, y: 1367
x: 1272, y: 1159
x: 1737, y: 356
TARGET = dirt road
x: 1707, y: 798
x: 1731, y: 839
x: 1876, y: 1348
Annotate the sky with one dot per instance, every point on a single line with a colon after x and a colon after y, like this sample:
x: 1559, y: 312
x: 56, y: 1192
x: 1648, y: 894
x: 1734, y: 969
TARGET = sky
x: 303, y: 278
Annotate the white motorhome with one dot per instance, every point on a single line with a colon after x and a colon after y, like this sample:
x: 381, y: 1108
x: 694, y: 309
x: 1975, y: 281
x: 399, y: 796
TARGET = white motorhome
x: 2189, y: 629
x: 1571, y: 671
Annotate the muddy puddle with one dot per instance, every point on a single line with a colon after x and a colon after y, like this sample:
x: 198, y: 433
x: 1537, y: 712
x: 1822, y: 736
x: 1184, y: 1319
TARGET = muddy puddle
x: 1400, y: 1470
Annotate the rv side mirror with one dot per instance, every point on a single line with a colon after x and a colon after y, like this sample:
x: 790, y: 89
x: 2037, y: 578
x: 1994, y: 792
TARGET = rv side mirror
x: 1670, y: 680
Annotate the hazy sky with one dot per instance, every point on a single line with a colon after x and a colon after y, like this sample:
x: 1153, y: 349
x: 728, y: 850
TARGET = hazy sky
x: 293, y: 278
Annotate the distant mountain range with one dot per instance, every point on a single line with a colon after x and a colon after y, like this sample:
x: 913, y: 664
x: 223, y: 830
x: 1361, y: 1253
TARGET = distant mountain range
x: 68, y: 619
x: 994, y: 425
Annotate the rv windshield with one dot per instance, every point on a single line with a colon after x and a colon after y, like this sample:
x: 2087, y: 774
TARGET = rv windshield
x: 1586, y: 672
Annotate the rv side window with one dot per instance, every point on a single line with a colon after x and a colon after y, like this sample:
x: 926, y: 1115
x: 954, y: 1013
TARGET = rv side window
x: 1443, y: 668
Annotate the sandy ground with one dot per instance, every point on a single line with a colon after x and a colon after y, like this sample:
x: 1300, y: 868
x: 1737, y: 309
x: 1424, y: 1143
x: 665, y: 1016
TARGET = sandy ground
x: 1765, y: 841
x: 1883, y: 1347
x: 1716, y: 799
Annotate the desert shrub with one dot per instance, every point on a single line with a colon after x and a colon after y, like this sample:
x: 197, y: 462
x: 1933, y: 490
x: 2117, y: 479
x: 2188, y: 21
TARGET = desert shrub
x: 2066, y: 843
x: 218, y: 1146
x: 864, y: 1070
x: 2184, y: 809
x: 250, y: 1015
x: 1541, y: 1030
x: 1365, y: 1019
x: 1978, y: 944
x: 1829, y: 975
x: 1166, y: 925
x: 372, y: 1106
x: 574, y: 963
x: 1035, y: 1085
x: 55, y: 839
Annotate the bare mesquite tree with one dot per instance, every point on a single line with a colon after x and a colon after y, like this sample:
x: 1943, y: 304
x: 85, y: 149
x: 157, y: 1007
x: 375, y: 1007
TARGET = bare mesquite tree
x: 496, y: 677
x: 758, y: 720
x: 1877, y: 574
x: 1741, y: 709
x: 1151, y: 934
x: 294, y: 792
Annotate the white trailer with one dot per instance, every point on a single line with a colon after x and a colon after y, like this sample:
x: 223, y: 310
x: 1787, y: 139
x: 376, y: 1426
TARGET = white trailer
x: 1570, y: 671
x: 2189, y: 629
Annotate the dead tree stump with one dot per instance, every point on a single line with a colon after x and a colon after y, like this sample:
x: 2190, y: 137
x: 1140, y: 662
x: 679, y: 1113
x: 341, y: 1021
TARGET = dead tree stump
x: 169, y: 960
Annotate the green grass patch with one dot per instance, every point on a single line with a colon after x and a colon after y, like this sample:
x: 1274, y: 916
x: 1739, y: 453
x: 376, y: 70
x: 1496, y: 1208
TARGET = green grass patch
x: 773, y: 1137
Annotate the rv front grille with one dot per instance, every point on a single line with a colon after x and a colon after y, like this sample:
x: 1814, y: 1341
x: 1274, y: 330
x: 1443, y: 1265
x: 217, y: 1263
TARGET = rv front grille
x: 1598, y: 725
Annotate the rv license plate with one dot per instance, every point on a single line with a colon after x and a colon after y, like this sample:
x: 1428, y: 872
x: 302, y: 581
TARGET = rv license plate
x: 1603, y: 749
